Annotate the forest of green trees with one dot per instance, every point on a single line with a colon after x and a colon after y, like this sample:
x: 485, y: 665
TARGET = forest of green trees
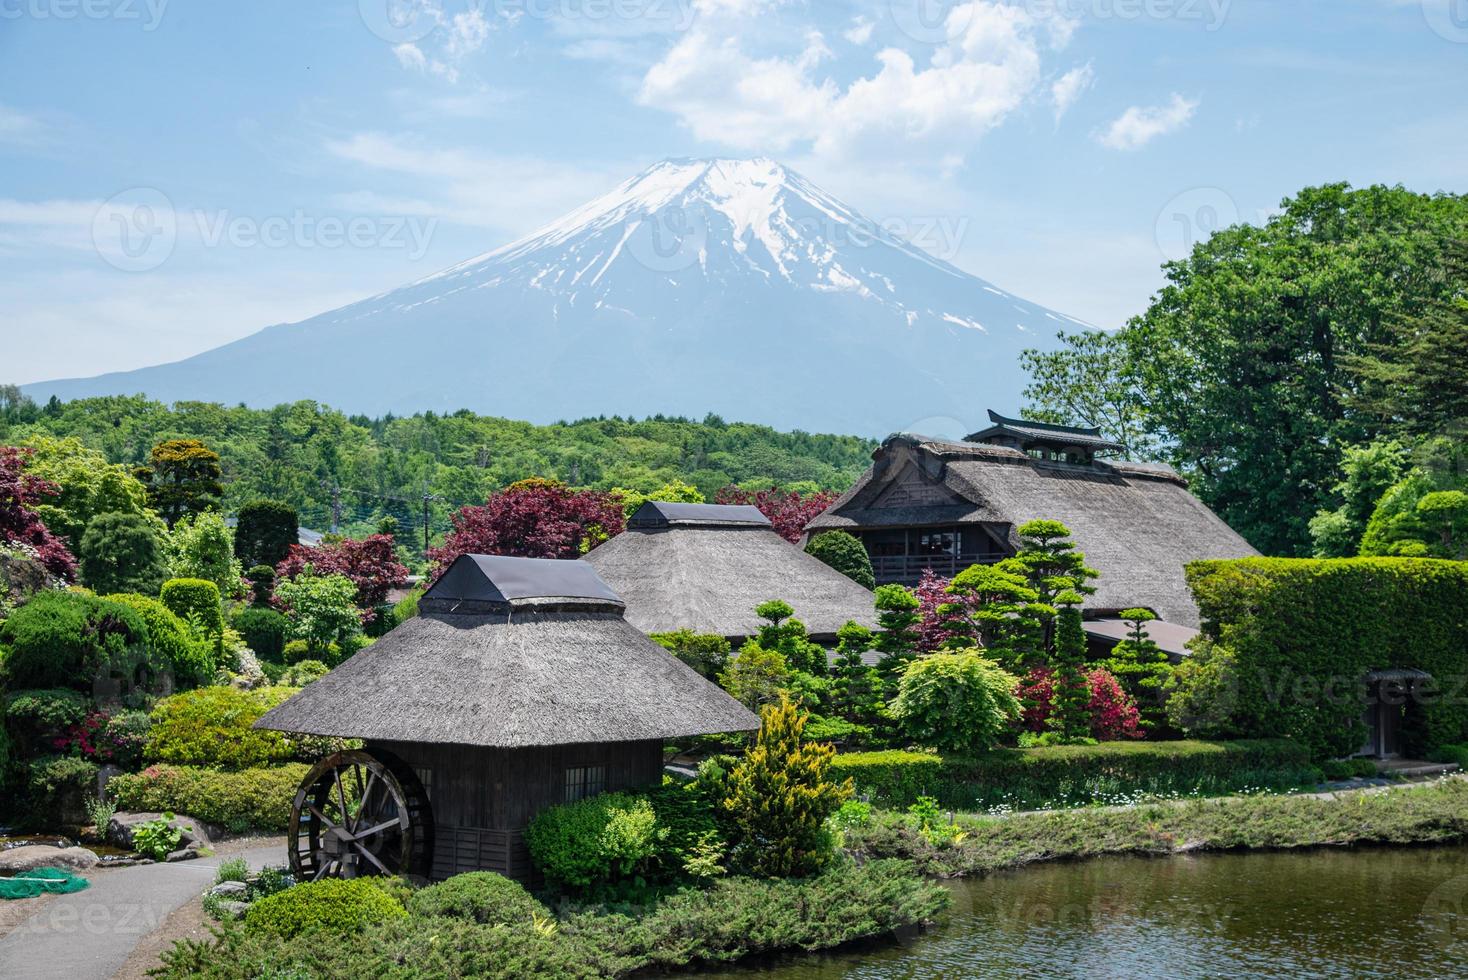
x: 1308, y: 375
x: 318, y: 459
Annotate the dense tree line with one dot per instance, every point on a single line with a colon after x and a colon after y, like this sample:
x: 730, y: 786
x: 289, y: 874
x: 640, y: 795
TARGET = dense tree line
x: 1297, y: 372
x: 325, y: 463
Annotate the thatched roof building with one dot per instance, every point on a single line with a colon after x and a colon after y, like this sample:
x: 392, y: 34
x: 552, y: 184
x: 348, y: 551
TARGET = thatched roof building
x: 519, y: 685
x: 945, y: 505
x: 705, y: 567
x: 512, y: 652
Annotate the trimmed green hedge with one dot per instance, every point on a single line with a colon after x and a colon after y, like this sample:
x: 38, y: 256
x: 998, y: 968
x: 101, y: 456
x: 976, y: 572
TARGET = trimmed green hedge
x: 1299, y: 635
x: 210, y: 726
x: 1060, y: 775
x: 257, y: 799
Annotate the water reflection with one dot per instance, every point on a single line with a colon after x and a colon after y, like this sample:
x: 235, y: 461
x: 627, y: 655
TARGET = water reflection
x: 1366, y: 913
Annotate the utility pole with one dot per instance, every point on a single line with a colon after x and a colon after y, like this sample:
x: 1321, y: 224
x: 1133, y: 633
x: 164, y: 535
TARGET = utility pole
x: 427, y: 497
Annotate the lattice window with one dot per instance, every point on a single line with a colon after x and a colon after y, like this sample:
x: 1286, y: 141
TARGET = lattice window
x: 584, y: 781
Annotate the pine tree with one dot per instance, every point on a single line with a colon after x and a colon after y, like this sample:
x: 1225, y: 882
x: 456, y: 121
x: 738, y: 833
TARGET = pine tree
x: 897, y: 615
x: 182, y: 477
x: 996, y: 609
x: 1141, y: 666
x: 1070, y: 716
x: 856, y: 689
x: 780, y: 796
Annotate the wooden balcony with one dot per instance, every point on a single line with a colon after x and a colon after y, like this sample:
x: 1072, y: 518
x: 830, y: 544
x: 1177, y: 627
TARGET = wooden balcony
x: 908, y: 569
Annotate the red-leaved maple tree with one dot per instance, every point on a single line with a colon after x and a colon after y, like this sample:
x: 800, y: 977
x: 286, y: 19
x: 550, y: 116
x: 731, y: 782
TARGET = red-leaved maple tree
x: 1114, y: 714
x: 789, y: 511
x: 532, y: 519
x: 19, y: 493
x: 370, y: 563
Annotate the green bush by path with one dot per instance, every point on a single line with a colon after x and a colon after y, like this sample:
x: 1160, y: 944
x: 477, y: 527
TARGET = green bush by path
x: 70, y: 639
x: 172, y: 640
x: 210, y: 726
x: 598, y: 840
x: 480, y: 896
x: 332, y: 904
x: 258, y: 799
x: 735, y: 918
x: 1070, y: 775
x: 1435, y: 813
x: 1296, y: 637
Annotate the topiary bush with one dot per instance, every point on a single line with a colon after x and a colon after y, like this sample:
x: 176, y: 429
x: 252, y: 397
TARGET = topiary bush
x: 196, y: 602
x: 262, y: 585
x: 1063, y: 775
x: 845, y: 554
x: 264, y: 533
x: 57, y: 788
x: 251, y: 799
x: 122, y: 552
x: 70, y: 639
x: 210, y: 726
x: 1300, y: 635
x: 483, y: 896
x: 956, y: 701
x: 264, y: 631
x: 171, y: 640
x: 332, y: 904
x: 595, y: 841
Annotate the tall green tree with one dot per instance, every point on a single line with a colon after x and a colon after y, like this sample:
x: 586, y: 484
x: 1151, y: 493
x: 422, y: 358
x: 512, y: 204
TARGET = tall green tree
x: 88, y: 485
x: 1367, y: 472
x: 1242, y: 358
x: 1090, y: 380
x: 182, y: 476
x: 264, y: 533
x: 123, y: 553
x: 1070, y: 707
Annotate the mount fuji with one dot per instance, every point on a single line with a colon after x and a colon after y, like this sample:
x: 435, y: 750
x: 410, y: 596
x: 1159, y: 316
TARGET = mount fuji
x: 728, y: 286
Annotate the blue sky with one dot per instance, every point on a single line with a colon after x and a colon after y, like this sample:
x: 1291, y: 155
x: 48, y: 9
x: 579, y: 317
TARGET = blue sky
x: 296, y: 156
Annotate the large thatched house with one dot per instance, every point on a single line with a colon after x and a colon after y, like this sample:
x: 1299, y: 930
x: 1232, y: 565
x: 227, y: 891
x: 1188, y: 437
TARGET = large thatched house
x: 705, y: 567
x: 945, y: 505
x: 519, y: 685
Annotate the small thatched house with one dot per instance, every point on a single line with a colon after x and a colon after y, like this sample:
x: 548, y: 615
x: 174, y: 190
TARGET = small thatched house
x: 943, y: 505
x: 519, y: 685
x: 705, y: 567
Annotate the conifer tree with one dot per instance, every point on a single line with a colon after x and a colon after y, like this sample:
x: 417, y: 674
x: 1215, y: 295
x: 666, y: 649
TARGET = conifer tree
x: 780, y: 796
x: 1070, y: 716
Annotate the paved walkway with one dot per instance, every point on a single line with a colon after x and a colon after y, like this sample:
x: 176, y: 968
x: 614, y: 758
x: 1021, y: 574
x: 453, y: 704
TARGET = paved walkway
x: 89, y: 934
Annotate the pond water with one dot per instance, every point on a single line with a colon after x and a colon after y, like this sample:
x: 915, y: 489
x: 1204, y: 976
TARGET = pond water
x: 1367, y: 913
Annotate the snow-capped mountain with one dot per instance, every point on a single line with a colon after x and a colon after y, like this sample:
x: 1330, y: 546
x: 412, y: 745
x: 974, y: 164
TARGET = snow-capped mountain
x: 727, y: 286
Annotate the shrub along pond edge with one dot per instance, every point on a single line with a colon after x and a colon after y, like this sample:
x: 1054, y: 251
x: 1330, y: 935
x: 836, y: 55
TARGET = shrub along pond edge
x: 1430, y: 813
x: 732, y: 919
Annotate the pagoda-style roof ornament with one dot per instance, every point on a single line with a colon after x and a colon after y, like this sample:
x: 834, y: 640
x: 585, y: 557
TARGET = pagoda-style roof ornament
x: 1064, y: 442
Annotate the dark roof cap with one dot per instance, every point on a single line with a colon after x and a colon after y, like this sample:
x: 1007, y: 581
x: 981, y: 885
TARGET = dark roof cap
x: 659, y: 513
x: 490, y: 582
x: 1088, y: 437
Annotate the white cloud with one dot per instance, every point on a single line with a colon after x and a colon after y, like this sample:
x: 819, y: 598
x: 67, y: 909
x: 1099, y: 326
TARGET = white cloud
x: 452, y: 42
x: 1070, y: 87
x: 985, y: 67
x: 860, y: 32
x: 1139, y: 125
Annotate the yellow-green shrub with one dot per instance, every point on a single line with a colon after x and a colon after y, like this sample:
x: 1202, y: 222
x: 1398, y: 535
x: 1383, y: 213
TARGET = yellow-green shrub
x: 210, y: 726
x: 333, y: 904
x: 257, y: 799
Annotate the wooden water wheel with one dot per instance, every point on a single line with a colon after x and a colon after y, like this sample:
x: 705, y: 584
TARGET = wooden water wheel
x: 360, y: 813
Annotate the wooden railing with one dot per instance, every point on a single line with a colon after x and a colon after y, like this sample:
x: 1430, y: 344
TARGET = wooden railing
x: 908, y: 569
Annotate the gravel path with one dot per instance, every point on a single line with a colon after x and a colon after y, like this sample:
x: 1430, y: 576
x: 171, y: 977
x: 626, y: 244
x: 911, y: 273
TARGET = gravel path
x: 89, y: 935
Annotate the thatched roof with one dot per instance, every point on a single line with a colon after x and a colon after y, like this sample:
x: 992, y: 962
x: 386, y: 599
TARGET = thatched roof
x: 534, y: 664
x: 707, y: 575
x: 1136, y: 522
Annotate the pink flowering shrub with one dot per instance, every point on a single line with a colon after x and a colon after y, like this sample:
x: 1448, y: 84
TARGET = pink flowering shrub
x: 1114, y: 715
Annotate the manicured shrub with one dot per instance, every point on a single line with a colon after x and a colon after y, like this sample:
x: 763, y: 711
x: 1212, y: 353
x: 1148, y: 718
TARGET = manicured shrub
x: 957, y: 701
x: 704, y: 652
x: 264, y: 631
x: 57, y: 788
x: 172, y: 641
x: 262, y: 585
x: 1111, y: 714
x: 596, y: 841
x: 258, y: 799
x: 122, y: 738
x: 37, y: 718
x: 195, y: 601
x: 780, y: 796
x: 302, y: 673
x: 122, y: 553
x: 332, y: 904
x: 482, y: 896
x: 1072, y: 774
x: 70, y: 639
x: 210, y: 726
x: 264, y: 533
x: 845, y: 554
x: 1303, y: 633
